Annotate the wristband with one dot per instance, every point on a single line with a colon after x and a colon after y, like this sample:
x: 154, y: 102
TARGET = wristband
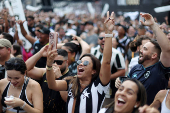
x: 23, y: 105
x: 48, y: 67
x: 108, y: 35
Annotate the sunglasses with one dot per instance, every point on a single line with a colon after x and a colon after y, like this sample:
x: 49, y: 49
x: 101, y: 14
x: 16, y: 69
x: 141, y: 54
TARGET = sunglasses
x: 59, y: 62
x: 85, y: 63
x: 101, y: 38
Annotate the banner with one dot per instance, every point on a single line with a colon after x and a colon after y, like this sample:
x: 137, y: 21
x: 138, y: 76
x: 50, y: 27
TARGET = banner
x: 105, y: 9
x: 19, y: 15
x: 162, y: 9
x: 7, y: 5
x: 91, y: 9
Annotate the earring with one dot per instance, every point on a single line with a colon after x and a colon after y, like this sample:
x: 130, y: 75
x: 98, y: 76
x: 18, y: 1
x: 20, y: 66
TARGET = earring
x: 135, y: 106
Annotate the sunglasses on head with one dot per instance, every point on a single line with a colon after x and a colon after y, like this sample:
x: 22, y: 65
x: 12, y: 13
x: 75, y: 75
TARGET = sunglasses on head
x: 101, y: 38
x: 85, y: 63
x: 58, y: 62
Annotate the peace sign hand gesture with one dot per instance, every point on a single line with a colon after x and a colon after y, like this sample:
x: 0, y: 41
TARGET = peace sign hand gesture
x: 109, y: 23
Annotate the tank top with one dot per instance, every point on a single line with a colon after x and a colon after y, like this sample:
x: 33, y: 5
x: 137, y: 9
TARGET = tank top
x: 164, y: 109
x: 24, y: 98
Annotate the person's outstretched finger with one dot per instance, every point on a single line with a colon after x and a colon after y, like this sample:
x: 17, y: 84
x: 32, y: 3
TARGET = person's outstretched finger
x: 107, y: 15
x: 111, y: 16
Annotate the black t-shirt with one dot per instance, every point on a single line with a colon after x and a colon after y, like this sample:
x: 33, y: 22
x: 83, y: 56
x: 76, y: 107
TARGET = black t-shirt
x: 32, y: 30
x: 41, y: 63
x: 151, y: 77
x: 53, y: 103
x: 2, y: 72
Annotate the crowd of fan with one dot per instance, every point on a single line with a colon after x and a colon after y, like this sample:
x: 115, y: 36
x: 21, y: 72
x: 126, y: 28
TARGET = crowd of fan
x: 79, y: 36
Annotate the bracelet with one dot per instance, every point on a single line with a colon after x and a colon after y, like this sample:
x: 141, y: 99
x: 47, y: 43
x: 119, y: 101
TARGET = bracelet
x: 108, y: 35
x: 48, y: 67
x: 23, y: 105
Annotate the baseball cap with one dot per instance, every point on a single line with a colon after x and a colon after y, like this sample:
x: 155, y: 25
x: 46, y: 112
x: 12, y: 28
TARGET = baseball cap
x: 44, y: 30
x: 5, y: 43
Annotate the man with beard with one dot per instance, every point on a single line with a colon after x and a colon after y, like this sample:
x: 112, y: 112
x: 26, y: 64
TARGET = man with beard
x: 54, y: 101
x: 117, y: 65
x: 153, y: 64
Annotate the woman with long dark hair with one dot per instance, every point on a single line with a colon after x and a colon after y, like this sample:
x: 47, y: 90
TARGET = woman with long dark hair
x: 86, y: 90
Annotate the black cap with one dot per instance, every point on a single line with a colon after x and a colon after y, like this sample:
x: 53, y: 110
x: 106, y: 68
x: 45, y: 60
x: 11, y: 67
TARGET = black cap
x: 44, y: 30
x: 89, y: 22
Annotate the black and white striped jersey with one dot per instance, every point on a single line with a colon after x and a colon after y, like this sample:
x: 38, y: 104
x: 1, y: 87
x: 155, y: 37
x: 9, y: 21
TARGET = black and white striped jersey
x: 90, y: 100
x: 124, y: 41
x: 117, y: 60
x: 117, y: 63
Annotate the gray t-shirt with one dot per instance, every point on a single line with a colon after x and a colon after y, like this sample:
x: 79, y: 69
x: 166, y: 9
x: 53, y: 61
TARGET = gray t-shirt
x: 93, y: 39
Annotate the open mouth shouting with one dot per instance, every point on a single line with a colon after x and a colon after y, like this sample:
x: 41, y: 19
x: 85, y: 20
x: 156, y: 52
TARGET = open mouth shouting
x: 121, y: 102
x: 80, y: 70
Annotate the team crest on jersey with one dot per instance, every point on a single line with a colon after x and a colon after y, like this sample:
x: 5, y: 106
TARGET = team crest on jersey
x: 70, y: 94
x: 85, y: 94
x: 135, y: 75
x: 146, y: 75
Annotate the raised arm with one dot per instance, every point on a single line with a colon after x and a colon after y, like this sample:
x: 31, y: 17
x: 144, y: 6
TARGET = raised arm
x: 16, y: 37
x: 57, y: 85
x: 160, y: 37
x: 6, y: 22
x: 105, y: 71
x: 85, y: 47
x: 33, y: 72
x: 24, y: 33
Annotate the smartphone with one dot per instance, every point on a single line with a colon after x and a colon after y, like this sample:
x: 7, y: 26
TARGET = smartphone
x: 53, y: 39
x: 122, y: 79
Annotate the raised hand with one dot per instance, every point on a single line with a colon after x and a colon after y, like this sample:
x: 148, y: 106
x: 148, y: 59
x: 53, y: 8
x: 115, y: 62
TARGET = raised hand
x: 43, y: 51
x: 149, y: 20
x: 51, y: 54
x: 20, y: 22
x: 109, y: 23
x: 56, y: 70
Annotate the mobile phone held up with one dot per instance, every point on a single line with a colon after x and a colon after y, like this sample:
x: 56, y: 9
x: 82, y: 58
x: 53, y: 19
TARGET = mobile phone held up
x: 53, y: 39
